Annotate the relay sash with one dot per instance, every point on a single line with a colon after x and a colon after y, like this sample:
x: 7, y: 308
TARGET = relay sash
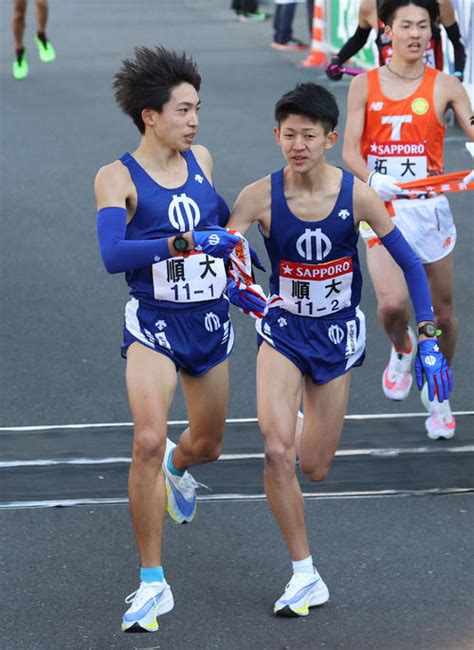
x: 240, y: 270
x: 441, y: 184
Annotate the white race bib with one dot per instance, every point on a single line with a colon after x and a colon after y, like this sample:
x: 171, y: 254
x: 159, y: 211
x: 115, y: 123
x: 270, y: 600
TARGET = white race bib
x: 194, y: 278
x: 316, y: 289
x: 402, y: 160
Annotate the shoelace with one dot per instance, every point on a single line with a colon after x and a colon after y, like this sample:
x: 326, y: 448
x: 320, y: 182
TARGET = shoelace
x: 142, y: 588
x: 401, y: 366
x: 188, y: 484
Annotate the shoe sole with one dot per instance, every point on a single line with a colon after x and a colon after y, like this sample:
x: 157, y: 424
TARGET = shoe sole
x: 164, y: 607
x: 432, y: 435
x: 316, y: 600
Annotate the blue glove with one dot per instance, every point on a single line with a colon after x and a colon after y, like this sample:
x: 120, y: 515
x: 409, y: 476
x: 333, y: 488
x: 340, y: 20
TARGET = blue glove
x: 256, y: 261
x: 245, y: 298
x: 431, y: 363
x: 215, y: 241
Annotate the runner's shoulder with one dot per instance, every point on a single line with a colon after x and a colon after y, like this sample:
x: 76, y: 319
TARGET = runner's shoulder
x: 448, y: 82
x: 113, y: 184
x: 204, y: 159
x: 359, y: 85
x: 114, y: 173
x: 258, y: 192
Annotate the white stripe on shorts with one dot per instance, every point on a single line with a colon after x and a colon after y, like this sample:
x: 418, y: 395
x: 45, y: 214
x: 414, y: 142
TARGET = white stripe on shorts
x: 360, y: 340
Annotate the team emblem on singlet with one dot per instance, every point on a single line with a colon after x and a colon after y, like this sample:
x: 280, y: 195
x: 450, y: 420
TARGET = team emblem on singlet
x: 420, y: 106
x: 183, y: 212
x: 313, y: 245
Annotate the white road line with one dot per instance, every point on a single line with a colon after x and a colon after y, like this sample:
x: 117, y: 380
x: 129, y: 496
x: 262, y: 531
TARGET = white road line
x: 118, y: 425
x: 388, y: 452
x: 371, y: 494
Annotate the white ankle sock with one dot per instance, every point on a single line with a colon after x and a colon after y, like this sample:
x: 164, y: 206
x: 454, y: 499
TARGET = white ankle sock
x: 304, y: 566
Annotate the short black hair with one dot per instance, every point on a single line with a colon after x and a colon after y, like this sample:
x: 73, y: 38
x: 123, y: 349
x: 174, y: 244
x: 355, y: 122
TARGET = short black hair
x: 388, y: 9
x: 312, y: 101
x: 147, y: 80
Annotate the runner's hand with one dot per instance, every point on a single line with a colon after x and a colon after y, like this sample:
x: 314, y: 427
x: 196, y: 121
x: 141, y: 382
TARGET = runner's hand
x: 334, y: 70
x: 215, y: 241
x: 245, y: 298
x: 431, y: 363
x: 385, y: 185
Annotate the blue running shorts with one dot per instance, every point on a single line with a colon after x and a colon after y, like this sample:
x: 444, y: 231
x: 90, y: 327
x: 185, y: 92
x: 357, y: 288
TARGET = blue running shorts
x: 323, y: 348
x: 196, y: 338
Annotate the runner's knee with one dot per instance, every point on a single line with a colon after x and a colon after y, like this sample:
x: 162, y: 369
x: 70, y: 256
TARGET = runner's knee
x: 19, y: 12
x: 279, y: 458
x: 392, y: 309
x: 148, y: 446
x: 445, y: 318
x: 208, y: 450
x: 316, y: 472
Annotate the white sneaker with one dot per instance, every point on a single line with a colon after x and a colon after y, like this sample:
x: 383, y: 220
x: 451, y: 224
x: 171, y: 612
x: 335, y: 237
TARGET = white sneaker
x: 181, y: 491
x: 152, y: 599
x: 397, y: 378
x: 304, y: 590
x: 441, y: 423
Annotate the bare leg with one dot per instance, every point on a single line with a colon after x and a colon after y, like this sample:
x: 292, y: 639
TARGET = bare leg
x: 324, y: 410
x: 206, y: 400
x: 278, y: 402
x: 440, y: 275
x: 42, y: 12
x: 19, y: 22
x: 151, y: 383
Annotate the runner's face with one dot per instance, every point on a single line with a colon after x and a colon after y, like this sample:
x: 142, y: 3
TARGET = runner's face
x: 177, y: 124
x: 410, y: 33
x: 303, y: 142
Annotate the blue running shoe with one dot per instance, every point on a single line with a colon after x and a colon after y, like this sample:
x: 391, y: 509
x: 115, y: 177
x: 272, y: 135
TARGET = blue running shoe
x: 152, y: 599
x: 304, y: 590
x: 181, y: 491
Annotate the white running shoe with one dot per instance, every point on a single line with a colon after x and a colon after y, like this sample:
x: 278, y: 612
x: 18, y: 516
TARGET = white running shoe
x: 152, y: 599
x: 304, y: 590
x: 181, y: 491
x: 397, y: 378
x: 441, y: 423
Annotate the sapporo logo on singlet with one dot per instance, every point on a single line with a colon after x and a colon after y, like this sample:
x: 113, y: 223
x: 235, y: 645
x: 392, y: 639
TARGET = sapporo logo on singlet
x: 183, y: 212
x: 420, y: 106
x: 313, y: 244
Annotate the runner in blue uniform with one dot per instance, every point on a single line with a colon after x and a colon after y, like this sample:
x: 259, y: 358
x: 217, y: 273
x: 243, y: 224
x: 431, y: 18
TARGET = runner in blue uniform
x: 313, y: 333
x: 158, y: 221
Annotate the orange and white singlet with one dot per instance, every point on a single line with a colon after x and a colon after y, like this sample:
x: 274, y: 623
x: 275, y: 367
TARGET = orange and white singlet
x: 403, y: 137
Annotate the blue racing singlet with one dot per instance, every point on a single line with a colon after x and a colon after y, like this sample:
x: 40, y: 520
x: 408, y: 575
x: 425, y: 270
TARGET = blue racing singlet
x: 161, y: 212
x: 315, y: 265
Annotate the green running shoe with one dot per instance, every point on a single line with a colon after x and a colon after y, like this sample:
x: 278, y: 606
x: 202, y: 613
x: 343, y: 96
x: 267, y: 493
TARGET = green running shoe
x: 253, y: 16
x: 46, y: 50
x: 20, y: 67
